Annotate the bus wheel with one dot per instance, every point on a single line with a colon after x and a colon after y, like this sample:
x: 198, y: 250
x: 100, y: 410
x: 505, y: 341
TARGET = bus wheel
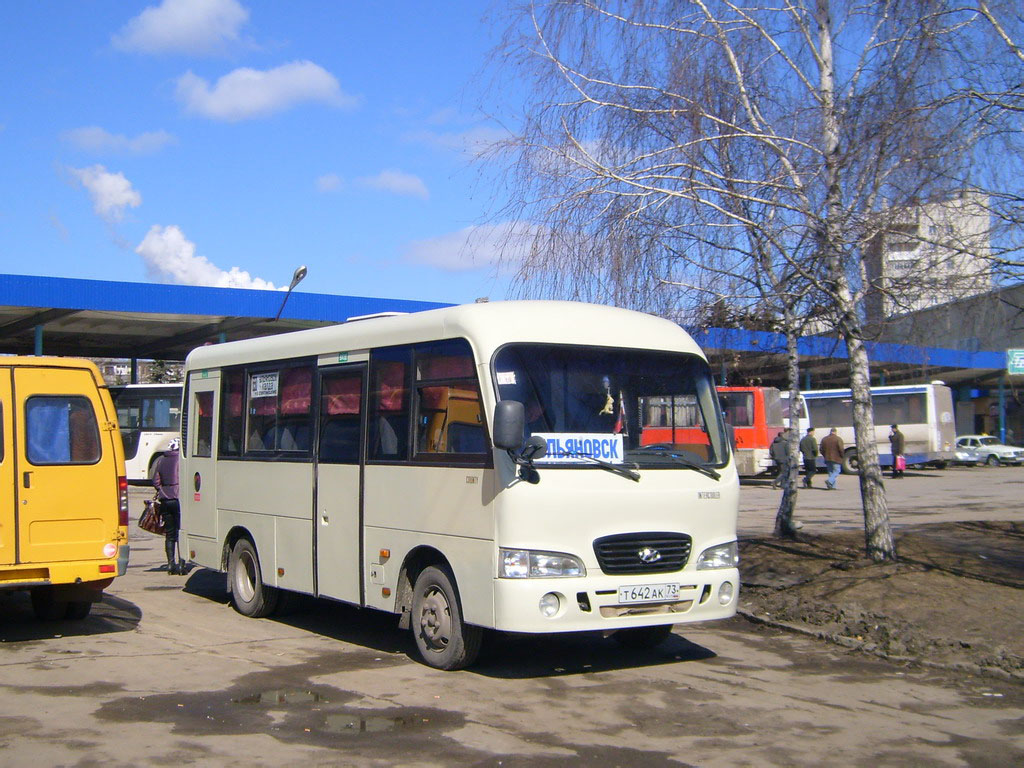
x: 443, y: 640
x: 643, y: 637
x: 851, y: 464
x: 46, y: 606
x: 77, y: 609
x: 250, y: 596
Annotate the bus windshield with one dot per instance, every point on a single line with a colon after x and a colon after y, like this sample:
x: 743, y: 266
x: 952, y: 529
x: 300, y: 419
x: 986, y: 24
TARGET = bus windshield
x: 663, y: 404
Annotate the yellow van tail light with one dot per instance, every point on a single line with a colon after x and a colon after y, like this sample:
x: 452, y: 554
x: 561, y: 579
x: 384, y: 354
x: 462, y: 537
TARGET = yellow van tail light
x: 122, y: 492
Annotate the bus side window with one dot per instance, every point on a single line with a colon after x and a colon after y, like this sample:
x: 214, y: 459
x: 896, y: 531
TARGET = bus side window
x: 231, y: 421
x: 389, y: 416
x: 204, y: 424
x: 448, y: 400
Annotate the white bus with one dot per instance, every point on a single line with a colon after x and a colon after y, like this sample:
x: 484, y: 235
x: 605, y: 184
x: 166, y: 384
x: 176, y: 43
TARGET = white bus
x: 924, y: 413
x: 149, y: 416
x: 475, y: 467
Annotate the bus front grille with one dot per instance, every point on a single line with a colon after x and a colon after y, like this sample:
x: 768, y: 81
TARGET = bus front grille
x: 639, y: 553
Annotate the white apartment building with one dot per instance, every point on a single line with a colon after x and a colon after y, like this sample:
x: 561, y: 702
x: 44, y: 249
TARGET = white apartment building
x: 929, y: 254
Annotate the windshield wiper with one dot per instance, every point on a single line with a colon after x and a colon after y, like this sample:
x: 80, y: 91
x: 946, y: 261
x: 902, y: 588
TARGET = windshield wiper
x: 617, y: 469
x: 682, y: 462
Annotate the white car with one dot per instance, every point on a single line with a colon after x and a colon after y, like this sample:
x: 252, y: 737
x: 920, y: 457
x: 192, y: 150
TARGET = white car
x: 989, y: 450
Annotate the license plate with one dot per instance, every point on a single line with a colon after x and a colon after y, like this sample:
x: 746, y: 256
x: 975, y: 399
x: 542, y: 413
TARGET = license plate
x: 649, y: 593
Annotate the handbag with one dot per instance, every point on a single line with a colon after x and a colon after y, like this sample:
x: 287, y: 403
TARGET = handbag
x: 901, y: 463
x: 151, y: 520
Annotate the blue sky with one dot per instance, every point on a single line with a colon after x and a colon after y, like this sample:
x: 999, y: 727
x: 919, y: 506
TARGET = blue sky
x: 225, y: 142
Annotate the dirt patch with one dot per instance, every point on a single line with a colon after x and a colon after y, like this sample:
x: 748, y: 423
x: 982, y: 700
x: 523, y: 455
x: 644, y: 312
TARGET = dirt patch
x: 955, y: 598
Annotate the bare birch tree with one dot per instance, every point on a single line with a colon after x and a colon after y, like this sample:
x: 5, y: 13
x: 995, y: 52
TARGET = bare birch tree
x: 704, y: 142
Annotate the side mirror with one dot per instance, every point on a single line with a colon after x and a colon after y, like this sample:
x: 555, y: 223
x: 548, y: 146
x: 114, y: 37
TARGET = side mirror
x: 536, y: 448
x: 509, y: 425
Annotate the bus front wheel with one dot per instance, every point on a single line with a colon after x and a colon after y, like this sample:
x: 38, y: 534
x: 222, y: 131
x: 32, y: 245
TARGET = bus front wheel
x: 250, y: 596
x: 443, y: 640
x: 643, y: 637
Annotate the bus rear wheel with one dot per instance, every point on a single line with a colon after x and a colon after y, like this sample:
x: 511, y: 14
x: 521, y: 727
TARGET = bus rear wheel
x: 443, y: 640
x: 851, y: 464
x: 250, y: 596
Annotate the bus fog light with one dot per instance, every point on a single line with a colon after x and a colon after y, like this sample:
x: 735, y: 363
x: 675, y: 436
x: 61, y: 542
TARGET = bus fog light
x: 725, y: 593
x: 549, y: 605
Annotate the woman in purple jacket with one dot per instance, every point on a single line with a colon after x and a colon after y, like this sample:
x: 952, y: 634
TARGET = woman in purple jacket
x: 165, y: 480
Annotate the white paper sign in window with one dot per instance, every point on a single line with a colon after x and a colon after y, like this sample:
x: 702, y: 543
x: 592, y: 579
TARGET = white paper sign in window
x: 263, y: 385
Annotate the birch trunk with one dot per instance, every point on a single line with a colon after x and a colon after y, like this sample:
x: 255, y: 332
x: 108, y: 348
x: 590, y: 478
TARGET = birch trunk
x: 787, y: 504
x: 877, y: 533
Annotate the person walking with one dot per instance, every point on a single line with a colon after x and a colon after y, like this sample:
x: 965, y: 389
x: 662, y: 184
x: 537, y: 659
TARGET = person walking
x: 165, y: 480
x: 809, y: 451
x: 897, y: 444
x: 779, y: 451
x: 832, y: 451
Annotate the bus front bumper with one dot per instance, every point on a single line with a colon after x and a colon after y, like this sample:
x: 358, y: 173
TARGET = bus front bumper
x: 594, y: 603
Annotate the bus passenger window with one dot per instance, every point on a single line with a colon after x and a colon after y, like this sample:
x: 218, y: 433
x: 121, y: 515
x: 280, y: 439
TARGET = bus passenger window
x: 279, y: 417
x: 204, y: 424
x: 449, y: 419
x: 340, y: 422
x: 389, y: 419
x: 231, y: 426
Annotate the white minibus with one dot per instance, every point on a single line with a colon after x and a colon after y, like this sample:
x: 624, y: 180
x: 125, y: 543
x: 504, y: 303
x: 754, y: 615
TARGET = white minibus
x: 469, y: 468
x: 149, y: 416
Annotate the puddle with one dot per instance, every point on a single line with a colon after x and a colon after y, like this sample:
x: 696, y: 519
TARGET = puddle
x: 342, y: 723
x: 282, y: 697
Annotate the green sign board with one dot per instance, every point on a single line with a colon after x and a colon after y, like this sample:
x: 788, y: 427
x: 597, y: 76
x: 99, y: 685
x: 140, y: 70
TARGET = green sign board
x: 1015, y: 361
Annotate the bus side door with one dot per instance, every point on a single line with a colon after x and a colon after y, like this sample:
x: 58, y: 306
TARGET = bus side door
x: 9, y: 496
x: 338, y: 530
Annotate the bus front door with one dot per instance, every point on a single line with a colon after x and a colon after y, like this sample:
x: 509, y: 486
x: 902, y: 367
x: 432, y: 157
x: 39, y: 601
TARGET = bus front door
x: 338, y: 528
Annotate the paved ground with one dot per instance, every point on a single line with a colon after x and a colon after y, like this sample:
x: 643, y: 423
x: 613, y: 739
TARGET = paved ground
x: 919, y: 497
x: 165, y: 673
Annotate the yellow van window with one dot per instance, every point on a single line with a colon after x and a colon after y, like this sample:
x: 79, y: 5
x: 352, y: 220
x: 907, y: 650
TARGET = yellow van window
x: 61, y: 430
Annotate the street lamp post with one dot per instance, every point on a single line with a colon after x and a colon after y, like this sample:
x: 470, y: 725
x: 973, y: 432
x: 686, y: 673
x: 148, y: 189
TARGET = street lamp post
x: 296, y: 279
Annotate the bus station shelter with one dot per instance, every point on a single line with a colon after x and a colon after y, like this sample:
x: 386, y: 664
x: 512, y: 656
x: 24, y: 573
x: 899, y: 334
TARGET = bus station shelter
x: 97, y: 318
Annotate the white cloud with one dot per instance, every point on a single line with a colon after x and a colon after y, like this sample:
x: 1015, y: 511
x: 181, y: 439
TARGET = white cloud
x: 249, y: 93
x: 95, y: 139
x: 473, y: 141
x: 397, y: 183
x: 328, y: 182
x: 183, y: 26
x: 485, y: 245
x: 111, y: 193
x: 171, y: 258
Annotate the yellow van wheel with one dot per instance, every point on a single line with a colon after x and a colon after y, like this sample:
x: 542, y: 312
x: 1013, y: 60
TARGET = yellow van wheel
x: 46, y: 606
x: 77, y: 609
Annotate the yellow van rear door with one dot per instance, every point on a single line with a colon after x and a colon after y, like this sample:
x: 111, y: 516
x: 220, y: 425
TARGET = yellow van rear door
x: 8, y: 529
x: 66, y: 474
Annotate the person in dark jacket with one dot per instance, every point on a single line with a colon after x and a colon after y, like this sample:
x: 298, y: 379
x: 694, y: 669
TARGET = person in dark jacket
x: 832, y: 452
x: 809, y: 451
x: 165, y: 480
x: 779, y: 451
x: 897, y: 443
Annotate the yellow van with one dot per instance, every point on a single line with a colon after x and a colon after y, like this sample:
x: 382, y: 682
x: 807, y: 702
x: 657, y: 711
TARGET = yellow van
x: 64, y: 497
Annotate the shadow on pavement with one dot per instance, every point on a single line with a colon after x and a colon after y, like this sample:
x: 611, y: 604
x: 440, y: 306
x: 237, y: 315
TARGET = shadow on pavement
x: 506, y: 656
x: 19, y: 624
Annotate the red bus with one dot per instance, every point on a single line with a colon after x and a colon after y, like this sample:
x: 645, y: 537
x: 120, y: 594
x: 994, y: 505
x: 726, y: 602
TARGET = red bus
x: 753, y: 413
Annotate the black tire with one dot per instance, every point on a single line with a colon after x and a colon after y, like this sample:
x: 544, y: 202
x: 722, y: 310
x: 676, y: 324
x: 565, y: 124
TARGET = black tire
x: 941, y: 464
x: 77, y: 609
x: 643, y: 637
x: 992, y: 461
x: 851, y: 464
x: 443, y: 640
x: 250, y: 596
x: 46, y: 606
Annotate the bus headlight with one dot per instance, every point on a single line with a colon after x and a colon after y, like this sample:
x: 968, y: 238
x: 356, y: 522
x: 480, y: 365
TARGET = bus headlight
x: 527, y: 564
x: 720, y: 556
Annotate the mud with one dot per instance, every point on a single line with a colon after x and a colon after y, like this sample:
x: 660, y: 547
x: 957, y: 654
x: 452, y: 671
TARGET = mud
x: 954, y: 598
